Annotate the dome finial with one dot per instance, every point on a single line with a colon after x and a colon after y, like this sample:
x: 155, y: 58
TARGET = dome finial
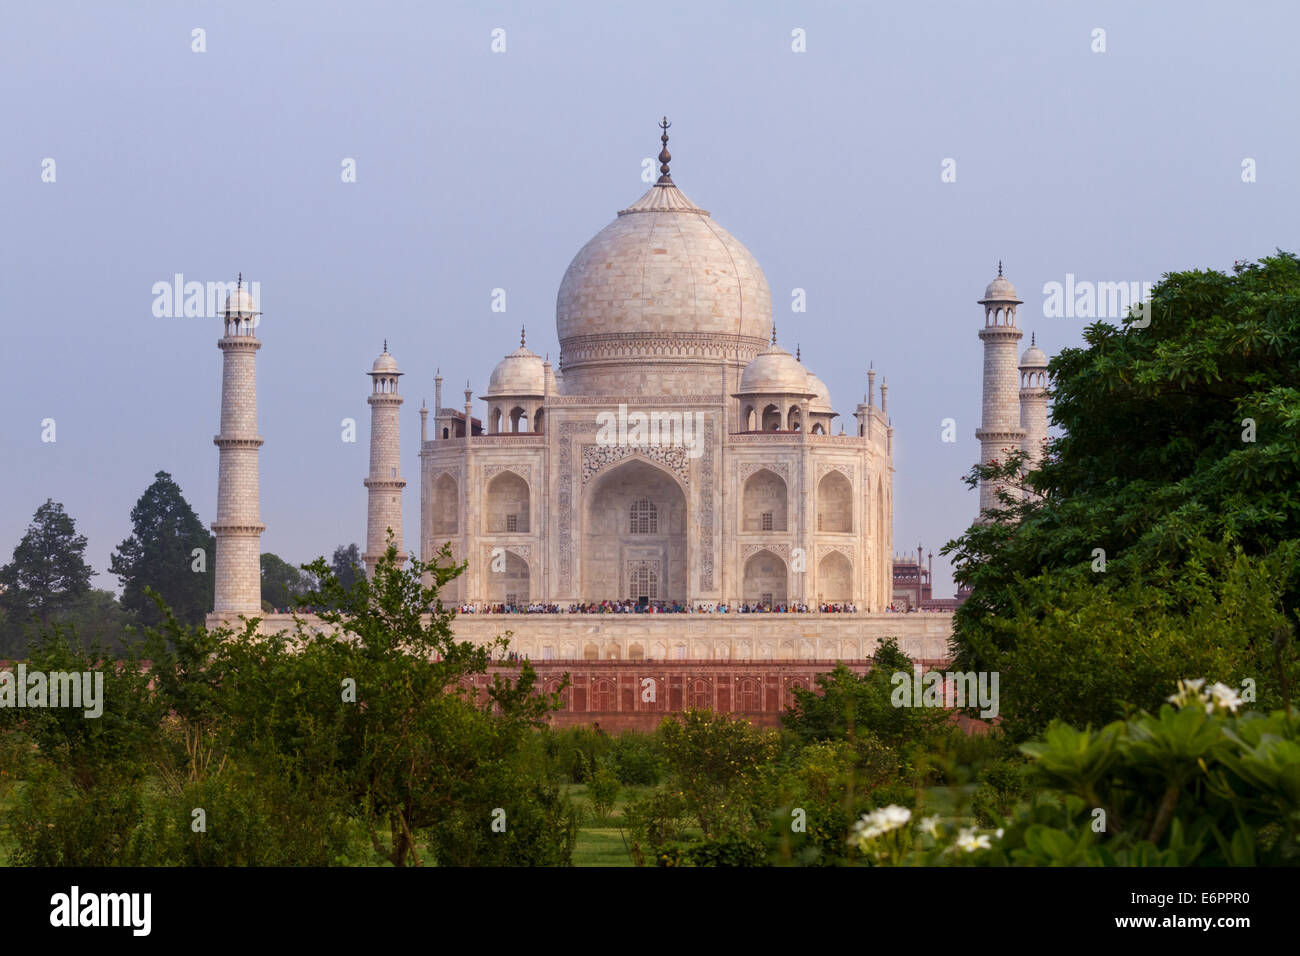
x: 521, y: 336
x: 798, y: 355
x: 240, y: 283
x: 385, y: 346
x: 1031, y: 337
x: 774, y: 333
x: 664, y: 156
x: 999, y: 268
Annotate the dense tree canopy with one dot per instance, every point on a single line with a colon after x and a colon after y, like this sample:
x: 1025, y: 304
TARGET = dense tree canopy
x: 48, y: 573
x: 346, y: 565
x: 1177, y: 479
x: 283, y: 585
x: 160, y: 554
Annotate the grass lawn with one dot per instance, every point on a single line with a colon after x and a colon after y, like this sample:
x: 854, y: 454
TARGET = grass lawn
x: 599, y: 842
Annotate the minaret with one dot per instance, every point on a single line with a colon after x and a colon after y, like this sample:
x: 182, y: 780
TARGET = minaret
x: 1033, y: 403
x: 385, y: 484
x: 238, y: 528
x: 999, y: 430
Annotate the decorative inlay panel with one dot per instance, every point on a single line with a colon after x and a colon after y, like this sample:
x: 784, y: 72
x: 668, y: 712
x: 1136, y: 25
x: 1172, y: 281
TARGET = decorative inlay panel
x: 578, y: 349
x: 848, y: 550
x: 749, y: 550
x: 524, y: 551
x: 603, y: 401
x: 523, y: 471
x: 706, y: 509
x: 595, y: 458
x: 747, y: 468
x: 567, y: 431
x: 827, y: 466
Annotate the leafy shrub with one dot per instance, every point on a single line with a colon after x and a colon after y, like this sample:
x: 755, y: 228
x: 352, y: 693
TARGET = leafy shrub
x: 1002, y: 786
x: 602, y: 789
x: 55, y: 823
x: 657, y: 820
x: 637, y: 759
x: 573, y: 749
x: 728, y: 851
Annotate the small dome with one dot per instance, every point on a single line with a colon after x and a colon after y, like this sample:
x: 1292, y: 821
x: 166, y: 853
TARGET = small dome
x: 775, y: 370
x: 821, y: 401
x: 1034, y: 357
x: 240, y: 302
x: 385, y: 363
x: 1000, y: 290
x: 519, y: 373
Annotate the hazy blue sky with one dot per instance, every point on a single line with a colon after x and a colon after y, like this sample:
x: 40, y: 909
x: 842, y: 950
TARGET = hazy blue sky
x: 479, y: 170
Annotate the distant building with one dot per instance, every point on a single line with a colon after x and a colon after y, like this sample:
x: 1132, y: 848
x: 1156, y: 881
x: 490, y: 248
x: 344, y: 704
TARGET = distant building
x: 912, y: 585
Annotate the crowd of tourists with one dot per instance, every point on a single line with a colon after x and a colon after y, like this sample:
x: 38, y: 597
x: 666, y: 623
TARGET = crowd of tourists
x: 660, y: 607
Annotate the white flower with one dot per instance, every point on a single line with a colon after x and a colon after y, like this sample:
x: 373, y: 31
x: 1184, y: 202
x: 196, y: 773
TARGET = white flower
x: 970, y: 841
x: 931, y: 825
x: 998, y: 835
x: 1223, y: 697
x: 879, y: 822
x: 1189, y: 692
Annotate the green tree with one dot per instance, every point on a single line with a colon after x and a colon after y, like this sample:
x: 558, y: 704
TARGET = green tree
x: 160, y: 555
x: 846, y: 706
x: 48, y: 573
x: 98, y: 619
x: 84, y: 800
x: 1178, y: 467
x: 283, y: 585
x: 722, y: 768
x: 376, y: 708
x: 346, y: 565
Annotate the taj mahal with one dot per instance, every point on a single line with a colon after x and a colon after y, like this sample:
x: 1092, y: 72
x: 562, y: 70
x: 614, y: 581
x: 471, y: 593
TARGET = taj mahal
x: 676, y: 457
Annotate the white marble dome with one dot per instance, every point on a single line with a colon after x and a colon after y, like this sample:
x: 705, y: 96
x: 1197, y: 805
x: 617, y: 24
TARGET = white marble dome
x: 1000, y: 290
x: 1034, y: 357
x: 663, y: 272
x: 240, y: 302
x: 522, y: 372
x: 384, y: 364
x: 774, y: 370
x: 821, y: 400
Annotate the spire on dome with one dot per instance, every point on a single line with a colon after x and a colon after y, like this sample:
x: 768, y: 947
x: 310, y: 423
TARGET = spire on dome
x: 385, y: 345
x: 521, y: 336
x: 1031, y: 337
x: 999, y: 267
x: 664, y: 156
x: 798, y: 355
x: 774, y: 333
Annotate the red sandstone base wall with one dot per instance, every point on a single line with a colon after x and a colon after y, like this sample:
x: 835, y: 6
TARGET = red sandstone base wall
x: 636, y: 695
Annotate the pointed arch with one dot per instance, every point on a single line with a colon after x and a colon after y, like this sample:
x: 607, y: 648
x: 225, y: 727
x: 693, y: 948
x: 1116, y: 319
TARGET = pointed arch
x: 506, y: 504
x: 764, y: 502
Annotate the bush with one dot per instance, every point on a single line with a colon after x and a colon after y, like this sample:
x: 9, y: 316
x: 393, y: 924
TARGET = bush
x: 637, y: 759
x: 518, y: 823
x: 55, y: 823
x: 602, y: 789
x: 725, y: 851
x: 253, y: 816
x: 1002, y: 787
x: 656, y: 821
x: 846, y: 705
x: 573, y: 749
